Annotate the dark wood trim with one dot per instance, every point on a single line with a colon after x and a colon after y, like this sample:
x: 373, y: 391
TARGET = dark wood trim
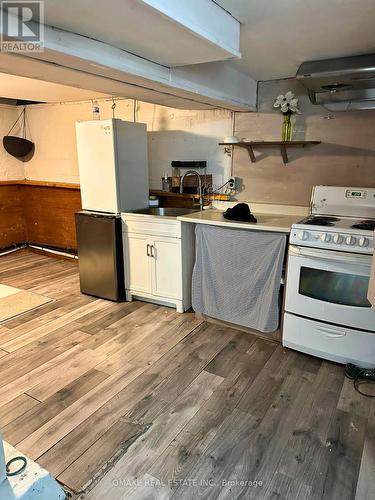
x: 27, y: 182
x: 9, y: 183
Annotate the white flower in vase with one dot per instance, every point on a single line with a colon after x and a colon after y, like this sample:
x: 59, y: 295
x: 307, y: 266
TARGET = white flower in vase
x: 287, y: 103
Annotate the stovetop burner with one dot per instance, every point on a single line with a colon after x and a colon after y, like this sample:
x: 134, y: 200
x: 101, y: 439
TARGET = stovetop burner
x: 341, y: 219
x: 321, y: 221
x: 367, y: 224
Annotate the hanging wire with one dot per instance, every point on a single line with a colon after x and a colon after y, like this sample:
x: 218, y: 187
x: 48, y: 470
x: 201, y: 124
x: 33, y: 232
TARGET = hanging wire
x: 24, y: 122
x: 28, y: 129
x: 21, y: 116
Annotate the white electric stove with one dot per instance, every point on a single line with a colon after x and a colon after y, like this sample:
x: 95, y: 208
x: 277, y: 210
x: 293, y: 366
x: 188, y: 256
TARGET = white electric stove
x: 327, y: 313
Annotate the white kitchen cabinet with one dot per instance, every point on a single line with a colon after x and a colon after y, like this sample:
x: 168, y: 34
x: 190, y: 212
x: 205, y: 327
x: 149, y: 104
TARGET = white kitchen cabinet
x: 159, y: 258
x: 166, y: 271
x: 138, y: 272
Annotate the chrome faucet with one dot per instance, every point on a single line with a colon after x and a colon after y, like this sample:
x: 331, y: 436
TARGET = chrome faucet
x: 199, y: 185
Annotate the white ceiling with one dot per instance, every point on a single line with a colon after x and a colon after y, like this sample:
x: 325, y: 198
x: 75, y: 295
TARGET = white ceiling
x: 180, y: 33
x: 19, y: 87
x: 277, y: 36
x: 85, y: 39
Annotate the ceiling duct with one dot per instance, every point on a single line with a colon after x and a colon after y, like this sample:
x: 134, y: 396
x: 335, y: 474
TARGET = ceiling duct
x: 341, y: 84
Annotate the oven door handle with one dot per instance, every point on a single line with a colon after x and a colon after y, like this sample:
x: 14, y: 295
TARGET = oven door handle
x: 331, y: 255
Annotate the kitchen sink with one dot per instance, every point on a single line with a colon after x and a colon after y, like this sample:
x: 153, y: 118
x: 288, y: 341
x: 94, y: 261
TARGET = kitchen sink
x: 166, y: 212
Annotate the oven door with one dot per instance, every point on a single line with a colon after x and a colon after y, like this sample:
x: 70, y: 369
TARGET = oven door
x: 329, y: 286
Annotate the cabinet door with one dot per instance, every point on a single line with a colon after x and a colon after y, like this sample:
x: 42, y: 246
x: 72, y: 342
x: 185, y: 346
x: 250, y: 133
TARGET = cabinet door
x: 137, y: 262
x: 166, y: 268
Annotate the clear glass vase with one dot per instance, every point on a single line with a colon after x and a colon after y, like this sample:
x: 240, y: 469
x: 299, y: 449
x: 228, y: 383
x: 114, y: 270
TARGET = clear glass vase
x: 287, y: 128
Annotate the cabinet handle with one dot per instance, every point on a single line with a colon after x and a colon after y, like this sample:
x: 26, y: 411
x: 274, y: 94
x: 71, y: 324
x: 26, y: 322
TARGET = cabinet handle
x: 148, y: 250
x: 152, y: 251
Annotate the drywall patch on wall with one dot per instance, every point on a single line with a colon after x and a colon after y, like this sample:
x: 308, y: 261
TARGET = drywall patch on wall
x: 173, y: 135
x: 346, y: 156
x: 10, y: 167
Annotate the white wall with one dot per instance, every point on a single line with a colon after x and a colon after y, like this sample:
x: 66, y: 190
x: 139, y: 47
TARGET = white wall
x: 10, y: 167
x: 346, y: 156
x: 173, y: 135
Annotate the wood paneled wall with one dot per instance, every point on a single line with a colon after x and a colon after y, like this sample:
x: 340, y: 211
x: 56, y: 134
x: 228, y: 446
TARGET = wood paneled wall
x: 38, y: 212
x: 12, y: 221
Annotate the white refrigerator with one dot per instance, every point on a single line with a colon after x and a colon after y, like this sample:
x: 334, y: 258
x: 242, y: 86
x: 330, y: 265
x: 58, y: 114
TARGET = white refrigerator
x: 113, y: 171
x: 113, y: 166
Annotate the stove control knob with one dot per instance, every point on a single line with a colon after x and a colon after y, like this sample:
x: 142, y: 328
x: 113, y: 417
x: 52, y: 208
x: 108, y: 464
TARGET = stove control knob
x: 303, y: 235
x: 337, y: 238
x: 326, y: 237
x: 350, y: 240
x: 363, y: 242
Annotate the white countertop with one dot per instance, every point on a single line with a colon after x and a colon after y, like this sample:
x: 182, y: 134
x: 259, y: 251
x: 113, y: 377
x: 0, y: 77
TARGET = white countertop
x: 280, y: 223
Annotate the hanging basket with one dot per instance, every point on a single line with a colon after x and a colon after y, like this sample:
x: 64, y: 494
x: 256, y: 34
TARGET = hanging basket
x: 19, y: 147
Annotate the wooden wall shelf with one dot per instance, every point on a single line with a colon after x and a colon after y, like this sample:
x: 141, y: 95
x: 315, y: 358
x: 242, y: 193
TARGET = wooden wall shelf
x: 283, y: 145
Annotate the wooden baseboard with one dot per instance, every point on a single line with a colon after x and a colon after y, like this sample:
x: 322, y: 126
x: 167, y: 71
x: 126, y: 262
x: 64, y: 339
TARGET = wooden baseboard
x: 273, y: 336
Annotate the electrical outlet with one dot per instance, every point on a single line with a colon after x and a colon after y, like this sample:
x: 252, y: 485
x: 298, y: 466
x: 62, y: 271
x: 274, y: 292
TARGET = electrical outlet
x: 232, y: 182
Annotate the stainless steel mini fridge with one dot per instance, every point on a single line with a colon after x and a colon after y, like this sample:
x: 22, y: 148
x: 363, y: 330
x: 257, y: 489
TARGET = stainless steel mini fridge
x: 100, y: 256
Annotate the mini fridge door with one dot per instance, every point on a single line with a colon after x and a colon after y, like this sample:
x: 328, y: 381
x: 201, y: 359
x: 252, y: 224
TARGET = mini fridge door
x: 100, y: 255
x: 113, y: 166
x: 97, y: 162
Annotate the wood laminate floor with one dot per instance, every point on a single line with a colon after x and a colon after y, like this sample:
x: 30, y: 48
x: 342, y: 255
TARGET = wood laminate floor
x: 136, y: 401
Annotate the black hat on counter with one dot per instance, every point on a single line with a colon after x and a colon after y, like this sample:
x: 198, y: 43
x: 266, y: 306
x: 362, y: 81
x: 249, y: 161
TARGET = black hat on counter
x: 240, y: 212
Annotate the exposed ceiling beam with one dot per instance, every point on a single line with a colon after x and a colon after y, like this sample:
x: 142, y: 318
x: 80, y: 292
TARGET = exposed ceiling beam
x: 168, y: 32
x: 212, y: 84
x: 43, y: 71
x: 207, y: 21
